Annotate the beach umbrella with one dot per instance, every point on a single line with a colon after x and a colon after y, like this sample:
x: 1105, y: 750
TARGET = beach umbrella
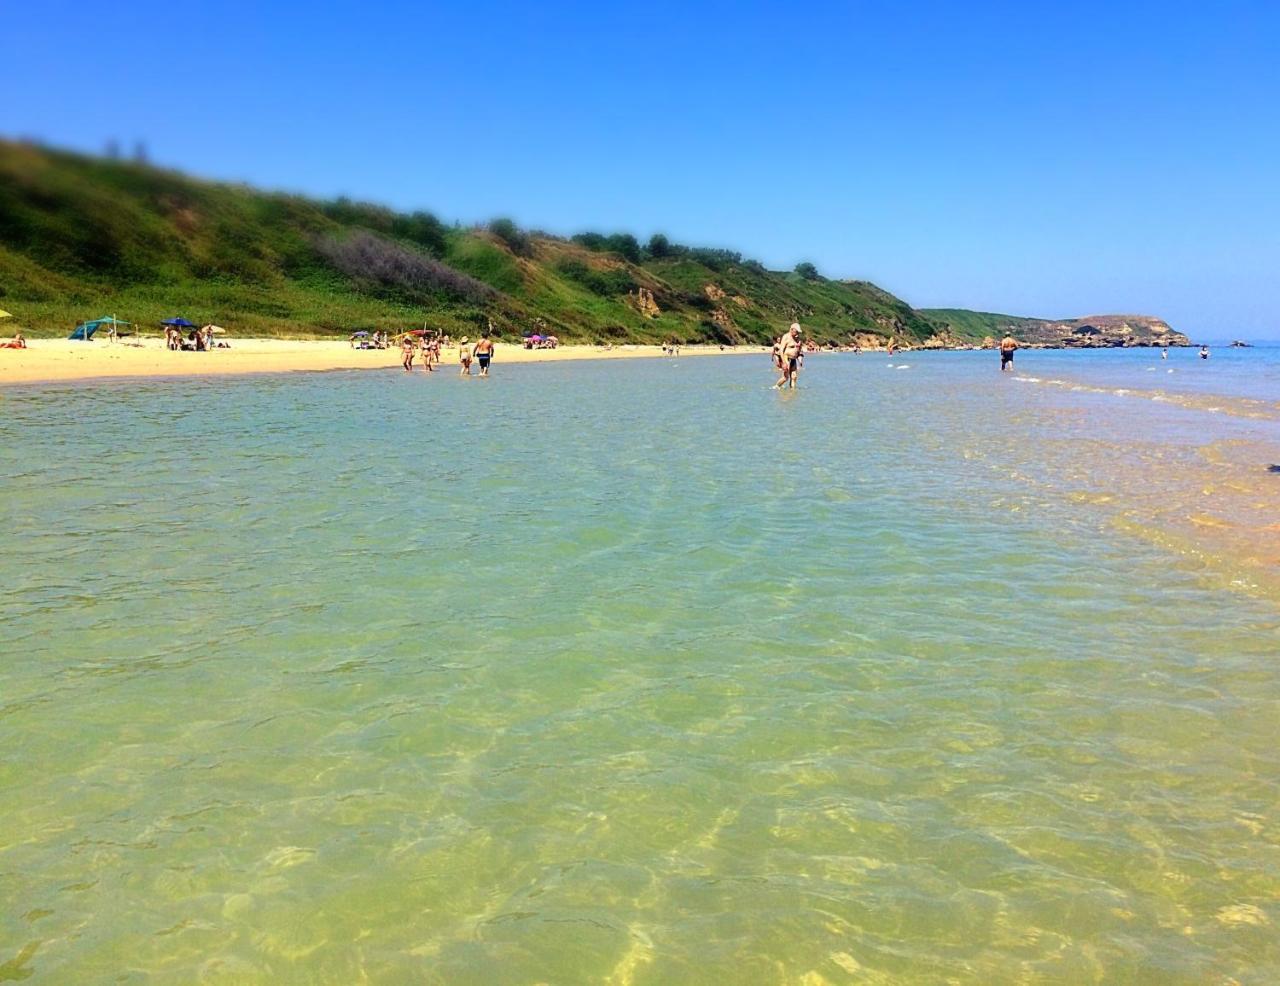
x: 5, y: 315
x: 179, y: 323
x: 217, y: 330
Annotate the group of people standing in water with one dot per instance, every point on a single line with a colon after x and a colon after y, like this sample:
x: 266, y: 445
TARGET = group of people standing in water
x: 479, y: 352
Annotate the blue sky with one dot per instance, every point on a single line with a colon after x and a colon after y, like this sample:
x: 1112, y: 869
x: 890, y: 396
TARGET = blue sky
x: 1042, y: 159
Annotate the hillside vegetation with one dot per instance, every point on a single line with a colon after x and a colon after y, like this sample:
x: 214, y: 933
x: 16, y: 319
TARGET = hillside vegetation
x: 82, y: 237
x: 978, y: 325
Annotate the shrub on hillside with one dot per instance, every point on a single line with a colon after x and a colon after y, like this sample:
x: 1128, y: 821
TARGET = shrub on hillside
x: 350, y: 213
x: 601, y: 282
x: 659, y: 246
x: 808, y: 271
x: 511, y: 234
x: 368, y: 257
x: 624, y: 245
x: 713, y: 258
x: 425, y: 230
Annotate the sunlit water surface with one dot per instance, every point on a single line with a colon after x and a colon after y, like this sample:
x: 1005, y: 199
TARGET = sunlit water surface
x: 638, y: 673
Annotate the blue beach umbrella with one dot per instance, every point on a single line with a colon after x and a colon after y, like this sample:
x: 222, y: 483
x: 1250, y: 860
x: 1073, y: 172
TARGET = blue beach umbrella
x: 179, y: 323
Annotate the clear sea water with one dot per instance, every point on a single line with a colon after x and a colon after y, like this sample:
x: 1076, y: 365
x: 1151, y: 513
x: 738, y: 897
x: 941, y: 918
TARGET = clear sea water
x: 639, y: 672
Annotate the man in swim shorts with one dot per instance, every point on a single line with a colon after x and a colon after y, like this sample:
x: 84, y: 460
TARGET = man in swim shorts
x: 484, y: 353
x: 1007, y: 346
x: 789, y: 349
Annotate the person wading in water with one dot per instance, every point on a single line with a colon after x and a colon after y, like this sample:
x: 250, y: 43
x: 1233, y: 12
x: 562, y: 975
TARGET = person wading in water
x: 789, y: 347
x: 484, y: 352
x: 1007, y: 346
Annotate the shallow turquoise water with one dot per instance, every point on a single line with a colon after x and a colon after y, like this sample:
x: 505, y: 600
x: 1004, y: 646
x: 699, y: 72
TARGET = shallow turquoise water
x: 608, y: 672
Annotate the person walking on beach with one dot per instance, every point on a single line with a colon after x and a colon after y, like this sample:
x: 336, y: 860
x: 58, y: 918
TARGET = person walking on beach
x: 464, y: 356
x: 406, y: 351
x: 483, y: 352
x: 789, y: 348
x: 1007, y: 347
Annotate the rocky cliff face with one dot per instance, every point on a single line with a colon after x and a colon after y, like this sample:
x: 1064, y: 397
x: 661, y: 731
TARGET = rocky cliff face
x: 1103, y: 331
x: 1089, y: 332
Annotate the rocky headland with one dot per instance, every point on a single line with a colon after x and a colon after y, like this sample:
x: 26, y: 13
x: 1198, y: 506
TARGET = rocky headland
x: 1087, y: 332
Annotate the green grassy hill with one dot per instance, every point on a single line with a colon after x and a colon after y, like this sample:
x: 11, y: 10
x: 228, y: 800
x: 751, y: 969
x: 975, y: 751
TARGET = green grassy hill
x: 82, y: 237
x: 975, y: 326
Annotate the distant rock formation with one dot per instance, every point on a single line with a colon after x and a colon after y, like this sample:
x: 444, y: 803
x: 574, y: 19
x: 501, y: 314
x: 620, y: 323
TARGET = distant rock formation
x: 644, y: 301
x: 943, y: 339
x: 1089, y: 332
x: 1104, y: 331
x: 868, y: 340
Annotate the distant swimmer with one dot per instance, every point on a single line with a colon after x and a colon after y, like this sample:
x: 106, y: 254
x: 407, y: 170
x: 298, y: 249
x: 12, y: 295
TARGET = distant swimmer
x: 1008, y: 345
x: 1164, y: 353
x: 789, y: 350
x: 483, y: 352
x: 1204, y: 352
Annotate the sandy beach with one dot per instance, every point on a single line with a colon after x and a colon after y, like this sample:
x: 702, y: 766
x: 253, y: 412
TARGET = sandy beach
x: 57, y: 360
